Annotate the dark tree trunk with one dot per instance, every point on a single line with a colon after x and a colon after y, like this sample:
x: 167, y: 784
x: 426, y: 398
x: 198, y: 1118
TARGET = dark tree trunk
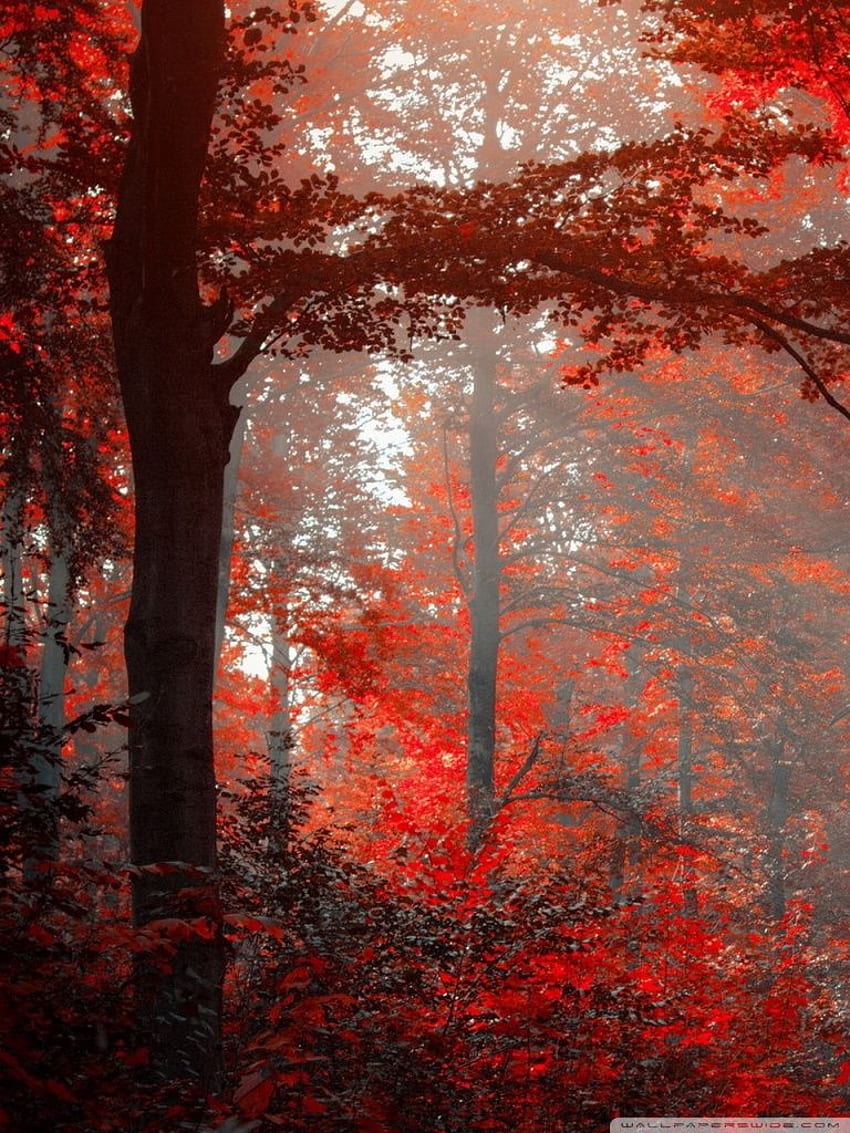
x: 180, y: 423
x: 484, y: 602
x: 171, y: 661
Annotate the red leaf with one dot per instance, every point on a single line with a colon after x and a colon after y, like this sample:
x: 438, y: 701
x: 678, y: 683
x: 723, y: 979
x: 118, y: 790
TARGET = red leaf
x: 255, y: 1093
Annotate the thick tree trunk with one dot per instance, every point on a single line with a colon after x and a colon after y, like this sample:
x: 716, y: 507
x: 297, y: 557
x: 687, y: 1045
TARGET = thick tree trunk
x: 179, y: 453
x: 180, y: 424
x: 484, y: 603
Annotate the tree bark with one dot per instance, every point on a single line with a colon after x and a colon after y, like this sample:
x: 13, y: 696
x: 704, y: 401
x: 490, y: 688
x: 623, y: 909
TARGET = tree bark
x: 180, y: 423
x: 486, y: 577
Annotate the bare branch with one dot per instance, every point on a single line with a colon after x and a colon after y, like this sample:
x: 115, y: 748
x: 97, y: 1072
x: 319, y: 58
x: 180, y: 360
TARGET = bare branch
x: 524, y: 769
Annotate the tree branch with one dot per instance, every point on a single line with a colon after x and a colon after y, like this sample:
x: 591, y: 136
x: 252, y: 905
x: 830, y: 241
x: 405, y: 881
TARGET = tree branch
x: 517, y: 778
x: 772, y: 333
x: 233, y: 368
x: 688, y: 295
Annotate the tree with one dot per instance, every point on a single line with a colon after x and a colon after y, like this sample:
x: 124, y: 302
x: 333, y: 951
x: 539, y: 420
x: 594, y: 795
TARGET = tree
x: 180, y: 422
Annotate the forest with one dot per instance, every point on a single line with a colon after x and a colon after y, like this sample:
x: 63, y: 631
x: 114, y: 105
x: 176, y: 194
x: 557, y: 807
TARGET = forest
x: 425, y: 585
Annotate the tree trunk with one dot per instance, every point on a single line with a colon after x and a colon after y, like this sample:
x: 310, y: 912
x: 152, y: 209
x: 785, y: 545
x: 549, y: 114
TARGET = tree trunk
x: 484, y: 603
x: 685, y: 688
x: 280, y: 737
x: 231, y: 491
x: 14, y: 635
x: 180, y: 423
x: 778, y: 811
x: 16, y: 682
x: 45, y: 765
x: 625, y: 877
x: 685, y: 685
x: 171, y: 660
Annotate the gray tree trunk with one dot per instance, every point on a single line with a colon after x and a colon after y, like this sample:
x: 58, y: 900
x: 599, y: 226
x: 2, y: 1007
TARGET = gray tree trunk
x: 16, y: 681
x: 486, y: 577
x: 231, y: 491
x: 12, y: 550
x: 685, y: 688
x: 44, y: 773
x: 625, y: 876
x: 685, y: 760
x: 281, y: 739
x: 778, y: 812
